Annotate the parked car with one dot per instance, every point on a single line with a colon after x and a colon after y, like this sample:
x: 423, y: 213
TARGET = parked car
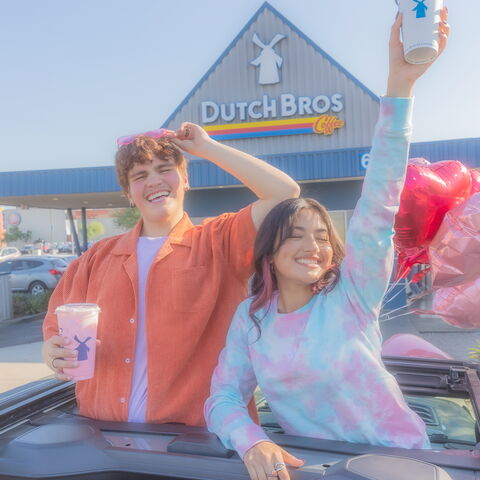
x: 9, y: 252
x: 65, y: 247
x: 68, y: 259
x: 27, y: 249
x: 50, y: 248
x: 40, y: 422
x: 35, y: 274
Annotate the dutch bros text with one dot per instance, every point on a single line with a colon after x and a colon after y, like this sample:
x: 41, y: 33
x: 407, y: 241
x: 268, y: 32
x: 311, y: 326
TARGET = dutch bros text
x: 286, y: 105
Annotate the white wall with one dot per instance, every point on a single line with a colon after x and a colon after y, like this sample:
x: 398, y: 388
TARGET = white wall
x: 49, y: 225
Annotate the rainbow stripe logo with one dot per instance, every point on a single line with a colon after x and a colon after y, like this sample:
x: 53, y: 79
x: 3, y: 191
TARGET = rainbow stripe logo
x: 324, y: 125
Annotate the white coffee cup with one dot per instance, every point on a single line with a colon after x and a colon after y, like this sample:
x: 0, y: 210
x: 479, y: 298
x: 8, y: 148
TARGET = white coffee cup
x: 420, y: 29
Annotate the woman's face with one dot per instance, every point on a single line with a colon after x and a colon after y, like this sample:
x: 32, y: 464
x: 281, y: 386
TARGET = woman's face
x: 306, y: 253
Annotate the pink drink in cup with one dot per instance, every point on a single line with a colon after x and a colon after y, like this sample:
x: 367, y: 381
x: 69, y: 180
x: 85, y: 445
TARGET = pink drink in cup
x: 78, y: 322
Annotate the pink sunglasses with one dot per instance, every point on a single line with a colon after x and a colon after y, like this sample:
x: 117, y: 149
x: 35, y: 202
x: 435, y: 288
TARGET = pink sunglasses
x: 152, y: 134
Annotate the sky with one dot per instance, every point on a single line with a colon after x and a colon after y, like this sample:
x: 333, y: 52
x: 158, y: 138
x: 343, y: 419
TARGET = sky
x: 75, y: 75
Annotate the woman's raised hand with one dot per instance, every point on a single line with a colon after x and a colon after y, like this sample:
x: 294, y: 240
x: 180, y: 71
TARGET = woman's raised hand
x: 266, y: 460
x: 403, y: 75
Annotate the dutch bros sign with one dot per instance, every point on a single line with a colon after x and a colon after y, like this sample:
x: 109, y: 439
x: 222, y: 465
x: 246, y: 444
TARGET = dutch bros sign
x: 271, y: 116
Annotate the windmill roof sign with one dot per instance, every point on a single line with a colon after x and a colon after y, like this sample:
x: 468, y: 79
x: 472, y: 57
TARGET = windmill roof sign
x: 272, y: 83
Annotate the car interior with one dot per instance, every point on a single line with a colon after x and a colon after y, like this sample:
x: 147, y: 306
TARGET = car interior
x: 42, y: 436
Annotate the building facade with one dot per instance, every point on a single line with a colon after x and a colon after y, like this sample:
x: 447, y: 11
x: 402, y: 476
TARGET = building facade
x: 275, y: 94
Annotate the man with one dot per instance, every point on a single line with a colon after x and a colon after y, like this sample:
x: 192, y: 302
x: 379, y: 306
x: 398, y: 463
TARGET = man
x: 167, y: 289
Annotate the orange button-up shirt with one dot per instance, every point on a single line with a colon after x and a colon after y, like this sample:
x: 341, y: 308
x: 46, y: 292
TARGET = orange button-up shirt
x: 194, y: 285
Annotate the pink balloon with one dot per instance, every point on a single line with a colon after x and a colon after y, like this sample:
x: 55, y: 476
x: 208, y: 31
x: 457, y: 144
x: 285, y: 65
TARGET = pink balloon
x: 475, y: 174
x: 458, y: 305
x: 408, y: 345
x: 455, y: 250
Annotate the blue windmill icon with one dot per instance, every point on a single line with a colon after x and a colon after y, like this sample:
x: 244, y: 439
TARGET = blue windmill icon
x: 82, y: 348
x: 420, y: 8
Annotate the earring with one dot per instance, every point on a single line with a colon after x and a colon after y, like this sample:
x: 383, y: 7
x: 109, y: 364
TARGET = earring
x: 132, y: 205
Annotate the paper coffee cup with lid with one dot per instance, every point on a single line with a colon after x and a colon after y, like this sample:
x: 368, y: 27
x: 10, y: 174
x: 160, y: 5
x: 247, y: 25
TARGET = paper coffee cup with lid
x: 420, y: 29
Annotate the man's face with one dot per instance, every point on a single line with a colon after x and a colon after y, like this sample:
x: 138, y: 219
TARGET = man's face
x: 157, y: 188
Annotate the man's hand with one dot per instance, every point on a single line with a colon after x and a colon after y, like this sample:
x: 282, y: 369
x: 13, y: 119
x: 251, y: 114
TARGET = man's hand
x: 57, y: 357
x: 192, y: 139
x: 267, y: 460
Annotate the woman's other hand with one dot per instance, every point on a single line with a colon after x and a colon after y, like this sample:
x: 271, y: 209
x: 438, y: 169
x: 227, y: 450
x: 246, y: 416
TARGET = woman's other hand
x: 266, y: 460
x: 403, y: 75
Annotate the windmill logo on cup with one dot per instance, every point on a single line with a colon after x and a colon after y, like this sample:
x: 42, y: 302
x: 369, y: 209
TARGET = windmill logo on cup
x: 420, y: 8
x: 269, y: 61
x: 82, y: 348
x: 78, y: 322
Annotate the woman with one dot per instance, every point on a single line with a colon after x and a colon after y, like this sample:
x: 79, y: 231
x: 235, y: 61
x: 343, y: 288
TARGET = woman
x: 309, y: 335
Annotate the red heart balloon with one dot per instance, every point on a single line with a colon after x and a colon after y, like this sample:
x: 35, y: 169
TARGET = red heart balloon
x: 430, y: 191
x: 458, y: 180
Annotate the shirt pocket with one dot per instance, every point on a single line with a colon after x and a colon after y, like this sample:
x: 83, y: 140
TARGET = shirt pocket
x: 193, y: 290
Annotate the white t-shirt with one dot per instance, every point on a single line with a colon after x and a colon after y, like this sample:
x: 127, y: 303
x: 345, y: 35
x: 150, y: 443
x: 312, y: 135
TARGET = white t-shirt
x: 147, y: 249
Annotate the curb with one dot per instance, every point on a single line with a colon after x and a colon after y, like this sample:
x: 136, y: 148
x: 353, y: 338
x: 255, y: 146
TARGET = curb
x: 27, y: 318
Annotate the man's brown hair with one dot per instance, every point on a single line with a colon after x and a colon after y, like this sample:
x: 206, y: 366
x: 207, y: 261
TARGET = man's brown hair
x: 144, y: 149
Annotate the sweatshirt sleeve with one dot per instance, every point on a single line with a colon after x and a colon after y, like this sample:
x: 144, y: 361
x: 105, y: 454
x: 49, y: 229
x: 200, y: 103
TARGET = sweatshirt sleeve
x: 369, y: 255
x: 233, y: 384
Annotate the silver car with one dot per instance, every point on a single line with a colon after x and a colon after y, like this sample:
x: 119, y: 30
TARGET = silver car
x: 9, y: 252
x: 33, y: 274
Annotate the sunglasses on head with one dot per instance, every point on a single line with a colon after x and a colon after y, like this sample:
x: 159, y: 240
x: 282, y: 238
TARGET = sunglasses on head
x: 152, y: 134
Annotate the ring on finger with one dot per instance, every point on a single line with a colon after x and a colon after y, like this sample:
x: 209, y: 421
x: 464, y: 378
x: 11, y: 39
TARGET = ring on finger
x: 53, y: 363
x: 273, y: 474
x: 279, y: 466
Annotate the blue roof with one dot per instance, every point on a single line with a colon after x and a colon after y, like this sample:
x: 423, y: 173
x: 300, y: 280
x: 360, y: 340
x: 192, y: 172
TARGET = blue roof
x: 343, y: 163
x: 466, y: 150
x: 302, y: 166
x: 59, y: 181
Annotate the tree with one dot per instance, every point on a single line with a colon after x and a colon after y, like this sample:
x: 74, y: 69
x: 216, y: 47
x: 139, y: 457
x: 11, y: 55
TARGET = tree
x: 14, y: 234
x: 94, y: 229
x: 126, y: 218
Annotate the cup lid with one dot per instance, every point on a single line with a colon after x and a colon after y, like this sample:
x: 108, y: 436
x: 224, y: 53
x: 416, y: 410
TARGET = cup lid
x: 78, y: 307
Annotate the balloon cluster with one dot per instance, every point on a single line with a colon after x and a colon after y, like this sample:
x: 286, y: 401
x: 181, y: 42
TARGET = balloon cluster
x: 438, y: 223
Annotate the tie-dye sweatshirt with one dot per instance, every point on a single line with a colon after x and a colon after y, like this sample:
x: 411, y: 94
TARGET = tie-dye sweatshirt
x: 320, y: 367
